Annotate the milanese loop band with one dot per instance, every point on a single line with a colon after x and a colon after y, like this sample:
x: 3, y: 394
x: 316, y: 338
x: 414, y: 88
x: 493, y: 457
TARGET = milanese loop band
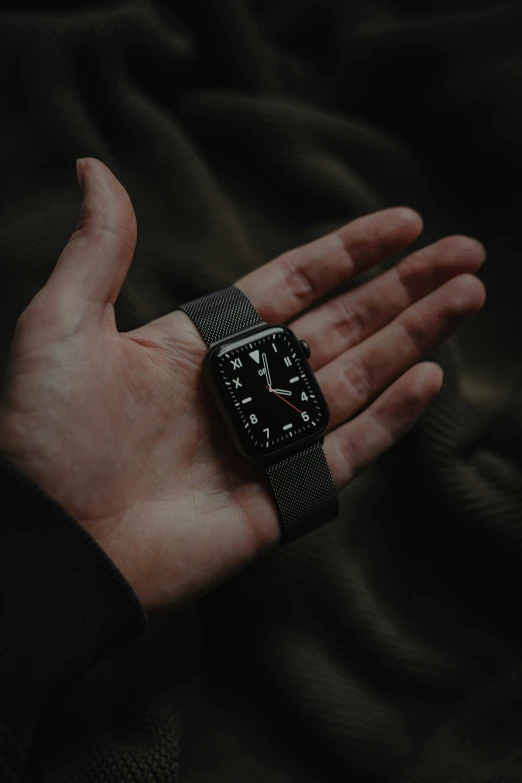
x: 304, y: 490
x: 302, y: 484
x: 221, y: 314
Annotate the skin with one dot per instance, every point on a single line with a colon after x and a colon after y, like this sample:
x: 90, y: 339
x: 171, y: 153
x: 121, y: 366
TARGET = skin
x: 119, y: 427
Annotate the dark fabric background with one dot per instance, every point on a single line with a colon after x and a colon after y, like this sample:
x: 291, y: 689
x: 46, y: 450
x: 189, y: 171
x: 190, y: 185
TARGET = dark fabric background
x: 385, y: 646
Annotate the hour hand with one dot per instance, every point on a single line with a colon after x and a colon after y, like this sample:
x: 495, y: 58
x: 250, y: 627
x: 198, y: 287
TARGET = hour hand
x: 267, y: 371
x: 282, y: 391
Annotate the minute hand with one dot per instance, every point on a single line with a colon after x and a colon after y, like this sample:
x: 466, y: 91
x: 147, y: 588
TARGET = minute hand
x: 267, y: 371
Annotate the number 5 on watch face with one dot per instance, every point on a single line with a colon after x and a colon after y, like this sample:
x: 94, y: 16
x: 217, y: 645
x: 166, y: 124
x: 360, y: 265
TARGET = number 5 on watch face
x: 267, y: 392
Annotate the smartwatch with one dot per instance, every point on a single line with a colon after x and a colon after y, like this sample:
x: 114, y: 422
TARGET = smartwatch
x: 264, y: 387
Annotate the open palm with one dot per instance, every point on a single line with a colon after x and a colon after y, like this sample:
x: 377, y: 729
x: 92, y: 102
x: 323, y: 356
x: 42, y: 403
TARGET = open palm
x: 120, y: 428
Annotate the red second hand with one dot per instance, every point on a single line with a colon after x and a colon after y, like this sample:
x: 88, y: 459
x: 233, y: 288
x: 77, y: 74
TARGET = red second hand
x: 282, y: 398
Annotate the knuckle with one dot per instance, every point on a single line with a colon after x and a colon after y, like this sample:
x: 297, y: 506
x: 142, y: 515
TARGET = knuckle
x: 118, y: 223
x: 122, y: 236
x: 365, y: 236
x: 298, y: 280
x: 96, y: 230
x: 357, y: 376
x: 350, y: 322
x: 417, y: 332
x: 413, y: 271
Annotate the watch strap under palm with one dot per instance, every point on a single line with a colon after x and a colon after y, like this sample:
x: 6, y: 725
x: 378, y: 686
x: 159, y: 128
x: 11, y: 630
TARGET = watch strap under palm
x: 222, y: 313
x: 302, y: 484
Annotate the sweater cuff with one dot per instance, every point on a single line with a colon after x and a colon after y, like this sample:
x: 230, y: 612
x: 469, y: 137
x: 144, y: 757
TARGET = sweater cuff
x: 63, y: 605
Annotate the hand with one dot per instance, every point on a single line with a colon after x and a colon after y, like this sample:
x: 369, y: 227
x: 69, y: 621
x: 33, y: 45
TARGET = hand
x: 120, y: 429
x: 267, y: 371
x: 281, y: 391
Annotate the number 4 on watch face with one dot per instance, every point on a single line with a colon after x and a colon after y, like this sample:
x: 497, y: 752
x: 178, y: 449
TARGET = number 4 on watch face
x: 271, y: 398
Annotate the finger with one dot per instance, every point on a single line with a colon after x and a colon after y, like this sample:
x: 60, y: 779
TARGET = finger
x: 354, y: 446
x: 353, y: 379
x: 350, y: 318
x: 95, y: 262
x: 293, y: 281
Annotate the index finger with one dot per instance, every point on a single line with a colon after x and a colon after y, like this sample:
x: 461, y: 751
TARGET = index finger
x: 292, y: 282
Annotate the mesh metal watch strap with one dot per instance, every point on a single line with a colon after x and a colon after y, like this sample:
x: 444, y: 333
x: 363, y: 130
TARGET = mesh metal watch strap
x: 302, y: 484
x: 304, y: 490
x: 221, y: 314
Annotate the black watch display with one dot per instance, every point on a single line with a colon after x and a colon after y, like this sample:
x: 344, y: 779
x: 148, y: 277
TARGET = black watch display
x: 267, y: 393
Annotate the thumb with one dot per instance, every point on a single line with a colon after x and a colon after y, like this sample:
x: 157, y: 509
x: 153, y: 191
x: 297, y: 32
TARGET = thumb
x: 95, y: 261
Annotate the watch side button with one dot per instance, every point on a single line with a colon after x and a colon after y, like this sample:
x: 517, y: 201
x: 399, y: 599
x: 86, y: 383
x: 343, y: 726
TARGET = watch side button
x: 306, y: 348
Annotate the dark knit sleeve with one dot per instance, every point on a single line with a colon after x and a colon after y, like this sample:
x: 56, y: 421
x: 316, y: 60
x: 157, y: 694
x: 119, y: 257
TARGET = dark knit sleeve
x: 63, y: 605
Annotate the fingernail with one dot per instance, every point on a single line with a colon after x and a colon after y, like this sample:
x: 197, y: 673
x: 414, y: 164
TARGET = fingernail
x: 80, y: 170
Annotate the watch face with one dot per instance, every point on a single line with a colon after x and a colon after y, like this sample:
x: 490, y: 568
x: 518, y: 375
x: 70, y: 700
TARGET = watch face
x: 267, y: 391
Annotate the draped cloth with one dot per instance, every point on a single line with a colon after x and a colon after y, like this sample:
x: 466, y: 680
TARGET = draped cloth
x: 384, y: 646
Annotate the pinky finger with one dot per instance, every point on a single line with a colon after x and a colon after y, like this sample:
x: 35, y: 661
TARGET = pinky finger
x: 353, y: 446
